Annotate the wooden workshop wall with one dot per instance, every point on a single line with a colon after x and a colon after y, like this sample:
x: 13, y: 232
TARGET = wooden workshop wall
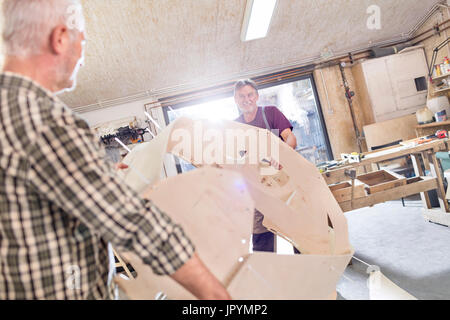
x: 336, y: 110
x: 429, y: 44
x: 362, y: 94
x: 332, y: 93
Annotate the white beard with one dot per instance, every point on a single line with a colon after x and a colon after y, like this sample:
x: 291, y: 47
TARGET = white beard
x: 73, y: 77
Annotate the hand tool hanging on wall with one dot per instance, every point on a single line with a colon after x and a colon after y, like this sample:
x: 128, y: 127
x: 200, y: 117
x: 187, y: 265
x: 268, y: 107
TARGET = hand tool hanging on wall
x: 349, y: 94
x: 125, y: 134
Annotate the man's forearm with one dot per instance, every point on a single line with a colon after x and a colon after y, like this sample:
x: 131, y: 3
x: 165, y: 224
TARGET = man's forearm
x: 289, y: 137
x: 197, y: 279
x: 292, y: 141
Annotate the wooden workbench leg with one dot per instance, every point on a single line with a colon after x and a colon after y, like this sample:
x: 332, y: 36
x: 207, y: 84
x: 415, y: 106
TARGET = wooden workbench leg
x: 420, y: 173
x: 123, y: 264
x: 436, y: 172
x: 375, y: 167
x: 426, y: 163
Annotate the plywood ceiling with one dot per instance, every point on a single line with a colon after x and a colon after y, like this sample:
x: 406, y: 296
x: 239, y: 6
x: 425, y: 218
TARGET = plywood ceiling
x: 136, y: 46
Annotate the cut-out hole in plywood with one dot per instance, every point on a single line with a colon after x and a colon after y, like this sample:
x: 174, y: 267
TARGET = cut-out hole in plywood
x: 381, y: 180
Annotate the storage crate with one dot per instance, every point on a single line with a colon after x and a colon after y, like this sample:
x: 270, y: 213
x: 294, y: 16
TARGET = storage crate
x: 343, y: 191
x: 381, y: 180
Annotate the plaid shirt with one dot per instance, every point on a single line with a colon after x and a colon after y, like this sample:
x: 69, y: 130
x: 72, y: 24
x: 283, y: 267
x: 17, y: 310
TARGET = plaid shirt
x: 61, y: 203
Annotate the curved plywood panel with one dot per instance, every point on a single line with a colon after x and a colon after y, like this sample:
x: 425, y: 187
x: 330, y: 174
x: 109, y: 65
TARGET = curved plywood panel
x: 294, y: 198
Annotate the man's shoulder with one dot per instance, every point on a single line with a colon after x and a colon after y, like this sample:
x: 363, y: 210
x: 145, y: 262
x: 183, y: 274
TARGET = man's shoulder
x: 277, y: 117
x: 33, y: 102
x: 272, y: 111
x: 271, y: 108
x: 42, y: 109
x: 54, y: 112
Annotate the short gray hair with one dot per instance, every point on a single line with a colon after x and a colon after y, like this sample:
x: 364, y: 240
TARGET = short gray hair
x: 29, y: 23
x: 243, y: 83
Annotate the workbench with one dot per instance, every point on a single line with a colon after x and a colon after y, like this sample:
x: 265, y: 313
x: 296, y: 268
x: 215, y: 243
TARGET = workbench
x: 419, y: 184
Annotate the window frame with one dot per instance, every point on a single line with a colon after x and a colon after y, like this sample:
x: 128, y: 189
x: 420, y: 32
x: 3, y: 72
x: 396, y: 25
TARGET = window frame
x: 229, y: 93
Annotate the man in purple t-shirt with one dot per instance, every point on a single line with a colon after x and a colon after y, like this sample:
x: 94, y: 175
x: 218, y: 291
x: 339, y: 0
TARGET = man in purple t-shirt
x: 270, y: 118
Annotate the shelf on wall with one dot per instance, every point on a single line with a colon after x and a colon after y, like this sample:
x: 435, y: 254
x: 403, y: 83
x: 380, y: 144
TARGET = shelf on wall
x: 434, y: 124
x: 440, y: 77
x: 442, y: 90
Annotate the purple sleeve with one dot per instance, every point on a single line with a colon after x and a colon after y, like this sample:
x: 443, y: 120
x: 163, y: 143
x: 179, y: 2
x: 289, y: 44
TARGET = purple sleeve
x: 277, y: 120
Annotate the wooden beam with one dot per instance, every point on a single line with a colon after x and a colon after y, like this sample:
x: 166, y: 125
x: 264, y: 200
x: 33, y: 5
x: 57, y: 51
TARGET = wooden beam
x: 427, y: 183
x: 420, y: 172
x: 123, y: 264
x: 337, y: 175
x: 436, y: 172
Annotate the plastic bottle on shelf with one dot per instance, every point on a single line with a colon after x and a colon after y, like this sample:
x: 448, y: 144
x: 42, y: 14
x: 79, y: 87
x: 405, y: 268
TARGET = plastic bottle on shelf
x: 437, y: 70
x: 446, y: 65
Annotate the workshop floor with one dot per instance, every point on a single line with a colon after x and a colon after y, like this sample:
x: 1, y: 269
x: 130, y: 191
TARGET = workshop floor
x: 410, y: 251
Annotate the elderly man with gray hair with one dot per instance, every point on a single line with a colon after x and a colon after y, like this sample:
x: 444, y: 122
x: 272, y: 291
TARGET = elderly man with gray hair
x: 61, y: 203
x: 246, y: 97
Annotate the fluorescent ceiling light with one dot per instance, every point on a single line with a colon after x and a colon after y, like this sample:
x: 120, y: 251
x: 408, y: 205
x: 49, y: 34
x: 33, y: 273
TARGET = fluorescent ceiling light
x: 258, y: 15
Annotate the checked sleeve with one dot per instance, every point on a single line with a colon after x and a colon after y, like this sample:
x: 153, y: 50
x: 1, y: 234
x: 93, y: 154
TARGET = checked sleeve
x: 67, y: 164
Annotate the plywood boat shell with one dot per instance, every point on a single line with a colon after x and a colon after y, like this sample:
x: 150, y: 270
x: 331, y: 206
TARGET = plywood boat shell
x: 295, y: 201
